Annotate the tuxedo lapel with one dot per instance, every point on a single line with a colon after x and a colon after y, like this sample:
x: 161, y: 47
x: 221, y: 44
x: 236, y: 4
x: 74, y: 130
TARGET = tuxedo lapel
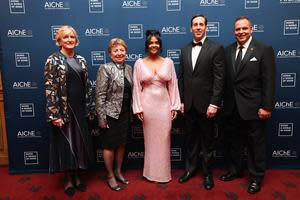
x: 189, y: 55
x: 202, y: 53
x: 233, y: 53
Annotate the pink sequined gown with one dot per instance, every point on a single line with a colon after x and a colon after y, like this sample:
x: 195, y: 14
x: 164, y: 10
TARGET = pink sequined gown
x: 156, y: 95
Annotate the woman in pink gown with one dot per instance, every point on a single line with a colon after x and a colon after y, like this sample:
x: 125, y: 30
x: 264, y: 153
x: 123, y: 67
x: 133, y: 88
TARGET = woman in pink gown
x: 156, y: 102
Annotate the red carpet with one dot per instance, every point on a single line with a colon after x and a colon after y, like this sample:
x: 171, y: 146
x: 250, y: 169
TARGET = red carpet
x: 278, y: 185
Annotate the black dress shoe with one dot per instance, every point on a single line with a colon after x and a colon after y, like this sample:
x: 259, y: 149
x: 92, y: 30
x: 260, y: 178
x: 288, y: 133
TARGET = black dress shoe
x: 185, y: 177
x: 229, y: 176
x: 70, y: 191
x: 81, y: 187
x: 208, y: 182
x: 253, y: 187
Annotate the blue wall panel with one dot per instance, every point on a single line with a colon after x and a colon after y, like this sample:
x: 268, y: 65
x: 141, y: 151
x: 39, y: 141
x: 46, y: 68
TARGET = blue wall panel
x: 27, y: 31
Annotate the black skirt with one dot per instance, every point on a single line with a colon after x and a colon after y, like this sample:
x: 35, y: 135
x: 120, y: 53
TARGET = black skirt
x: 118, y: 129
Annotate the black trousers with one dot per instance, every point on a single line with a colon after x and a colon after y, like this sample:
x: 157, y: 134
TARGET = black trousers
x: 200, y: 138
x: 241, y: 135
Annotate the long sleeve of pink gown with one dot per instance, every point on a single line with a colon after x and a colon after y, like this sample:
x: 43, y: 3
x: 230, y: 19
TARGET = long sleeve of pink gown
x: 173, y: 90
x: 137, y: 89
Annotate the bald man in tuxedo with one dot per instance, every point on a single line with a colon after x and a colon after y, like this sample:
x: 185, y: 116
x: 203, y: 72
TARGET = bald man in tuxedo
x: 248, y: 103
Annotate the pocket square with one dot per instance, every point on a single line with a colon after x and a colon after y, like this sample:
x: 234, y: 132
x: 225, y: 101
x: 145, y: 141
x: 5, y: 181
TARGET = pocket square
x: 253, y: 59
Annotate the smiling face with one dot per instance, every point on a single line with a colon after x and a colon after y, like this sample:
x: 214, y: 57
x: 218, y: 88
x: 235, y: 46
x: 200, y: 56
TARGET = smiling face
x: 68, y: 40
x: 198, y: 28
x: 242, y: 31
x: 154, y: 46
x: 118, y: 54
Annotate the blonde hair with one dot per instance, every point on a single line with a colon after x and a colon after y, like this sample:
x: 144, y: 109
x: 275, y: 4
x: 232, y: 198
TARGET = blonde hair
x: 62, y: 31
x: 116, y: 41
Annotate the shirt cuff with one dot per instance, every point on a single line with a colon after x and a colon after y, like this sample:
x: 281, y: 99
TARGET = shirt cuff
x: 212, y: 105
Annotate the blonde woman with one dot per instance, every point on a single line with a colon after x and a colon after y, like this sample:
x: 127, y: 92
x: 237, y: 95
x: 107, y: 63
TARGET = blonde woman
x: 68, y: 104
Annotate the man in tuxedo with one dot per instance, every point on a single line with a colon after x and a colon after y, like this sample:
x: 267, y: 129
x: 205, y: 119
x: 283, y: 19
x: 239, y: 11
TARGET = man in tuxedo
x: 248, y: 102
x: 200, y: 80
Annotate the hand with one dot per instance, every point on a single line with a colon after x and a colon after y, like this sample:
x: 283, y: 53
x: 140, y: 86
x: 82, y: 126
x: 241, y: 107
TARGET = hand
x: 173, y: 114
x: 105, y: 125
x: 58, y: 122
x: 264, y: 114
x: 140, y: 116
x: 182, y: 108
x: 211, y: 111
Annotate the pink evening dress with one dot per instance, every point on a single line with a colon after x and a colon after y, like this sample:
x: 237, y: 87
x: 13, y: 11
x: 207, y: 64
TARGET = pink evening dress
x: 155, y: 95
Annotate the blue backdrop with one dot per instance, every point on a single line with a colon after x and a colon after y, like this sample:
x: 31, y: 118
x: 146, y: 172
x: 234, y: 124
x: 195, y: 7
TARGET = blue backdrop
x: 28, y: 30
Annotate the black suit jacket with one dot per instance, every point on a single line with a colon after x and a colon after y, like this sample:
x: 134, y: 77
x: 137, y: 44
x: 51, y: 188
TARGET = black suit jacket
x: 253, y: 85
x: 203, y: 85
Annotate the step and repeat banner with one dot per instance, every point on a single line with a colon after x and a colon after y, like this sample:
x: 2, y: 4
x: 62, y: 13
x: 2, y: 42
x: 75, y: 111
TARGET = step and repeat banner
x: 28, y: 29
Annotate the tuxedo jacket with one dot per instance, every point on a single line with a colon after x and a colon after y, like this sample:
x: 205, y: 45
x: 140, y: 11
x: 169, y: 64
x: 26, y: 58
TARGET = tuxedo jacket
x: 202, y: 85
x: 253, y: 85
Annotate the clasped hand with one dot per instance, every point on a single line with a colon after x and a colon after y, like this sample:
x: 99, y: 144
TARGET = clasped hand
x: 58, y: 122
x: 263, y: 114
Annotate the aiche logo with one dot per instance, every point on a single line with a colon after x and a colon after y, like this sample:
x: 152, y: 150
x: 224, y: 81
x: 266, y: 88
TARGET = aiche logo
x: 21, y: 85
x: 29, y: 134
x: 19, y: 33
x: 135, y: 4
x: 287, y: 104
x: 97, y: 32
x: 132, y: 57
x: 258, y: 28
x: 136, y: 154
x: 288, y: 53
x: 173, y: 30
x: 212, y: 2
x: 56, y: 5
x: 284, y: 153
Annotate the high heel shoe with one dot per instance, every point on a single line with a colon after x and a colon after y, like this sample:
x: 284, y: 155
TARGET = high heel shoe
x: 122, y: 180
x: 114, y: 188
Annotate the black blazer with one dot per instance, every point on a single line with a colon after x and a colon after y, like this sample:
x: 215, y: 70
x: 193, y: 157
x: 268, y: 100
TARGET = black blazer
x: 203, y: 85
x: 253, y: 85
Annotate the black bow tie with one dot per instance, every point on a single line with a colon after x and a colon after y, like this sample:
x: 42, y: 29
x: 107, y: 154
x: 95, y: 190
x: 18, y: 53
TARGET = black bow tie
x: 197, y: 44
